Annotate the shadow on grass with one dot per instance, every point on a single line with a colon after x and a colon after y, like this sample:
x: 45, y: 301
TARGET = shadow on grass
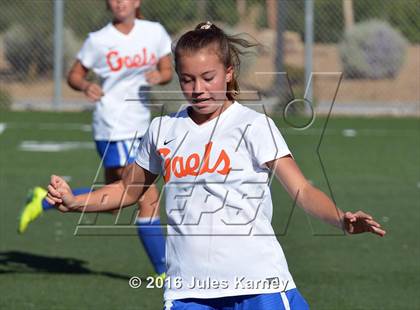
x: 22, y: 262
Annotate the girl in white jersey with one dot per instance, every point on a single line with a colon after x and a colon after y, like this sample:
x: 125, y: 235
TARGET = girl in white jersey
x: 216, y: 156
x: 129, y: 55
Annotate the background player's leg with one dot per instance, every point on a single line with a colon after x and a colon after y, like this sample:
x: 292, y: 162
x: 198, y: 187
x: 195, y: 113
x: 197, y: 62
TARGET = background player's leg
x: 148, y: 222
x: 149, y: 229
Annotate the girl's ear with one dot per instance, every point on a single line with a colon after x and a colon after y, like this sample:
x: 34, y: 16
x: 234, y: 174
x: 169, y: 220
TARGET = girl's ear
x: 229, y: 74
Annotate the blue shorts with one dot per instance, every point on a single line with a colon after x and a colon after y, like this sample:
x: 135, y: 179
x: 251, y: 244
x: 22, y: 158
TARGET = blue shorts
x: 288, y: 300
x: 115, y: 154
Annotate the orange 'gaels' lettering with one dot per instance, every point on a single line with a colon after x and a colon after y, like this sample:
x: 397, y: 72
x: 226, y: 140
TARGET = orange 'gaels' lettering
x: 116, y: 63
x: 180, y: 167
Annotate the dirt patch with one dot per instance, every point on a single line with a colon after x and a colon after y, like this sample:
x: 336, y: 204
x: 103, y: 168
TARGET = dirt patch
x: 326, y: 64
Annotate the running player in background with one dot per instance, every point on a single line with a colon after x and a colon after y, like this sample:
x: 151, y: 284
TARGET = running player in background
x: 129, y: 55
x: 216, y: 157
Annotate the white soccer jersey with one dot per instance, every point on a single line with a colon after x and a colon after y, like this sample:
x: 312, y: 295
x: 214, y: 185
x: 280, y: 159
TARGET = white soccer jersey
x: 121, y: 62
x: 220, y: 239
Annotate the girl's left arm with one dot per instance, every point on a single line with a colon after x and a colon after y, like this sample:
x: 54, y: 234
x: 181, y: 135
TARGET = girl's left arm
x: 318, y: 204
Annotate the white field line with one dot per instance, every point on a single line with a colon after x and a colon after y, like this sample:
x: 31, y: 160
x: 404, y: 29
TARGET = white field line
x: 2, y: 127
x: 50, y: 126
x: 290, y: 131
x: 52, y: 146
x: 351, y: 132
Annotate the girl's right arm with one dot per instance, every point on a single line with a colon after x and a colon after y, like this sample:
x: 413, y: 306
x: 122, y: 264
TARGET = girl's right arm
x: 77, y: 80
x: 127, y: 191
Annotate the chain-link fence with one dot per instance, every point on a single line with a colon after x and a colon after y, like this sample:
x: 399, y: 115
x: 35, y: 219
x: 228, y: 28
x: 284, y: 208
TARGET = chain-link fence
x: 375, y: 44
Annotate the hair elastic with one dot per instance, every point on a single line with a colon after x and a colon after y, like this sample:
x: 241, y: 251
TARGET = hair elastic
x: 207, y: 25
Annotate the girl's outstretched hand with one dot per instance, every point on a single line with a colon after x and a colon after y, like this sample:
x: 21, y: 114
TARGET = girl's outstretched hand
x: 360, y: 222
x: 60, y: 194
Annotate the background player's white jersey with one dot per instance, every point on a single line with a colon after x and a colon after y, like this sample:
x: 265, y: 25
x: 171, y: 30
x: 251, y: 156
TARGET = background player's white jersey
x: 218, y: 202
x: 121, y: 61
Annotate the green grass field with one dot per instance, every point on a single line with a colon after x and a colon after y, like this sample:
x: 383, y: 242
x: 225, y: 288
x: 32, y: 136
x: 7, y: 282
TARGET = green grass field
x: 376, y: 168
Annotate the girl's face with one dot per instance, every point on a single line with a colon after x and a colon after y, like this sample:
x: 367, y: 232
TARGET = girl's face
x: 203, y: 79
x: 123, y: 9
